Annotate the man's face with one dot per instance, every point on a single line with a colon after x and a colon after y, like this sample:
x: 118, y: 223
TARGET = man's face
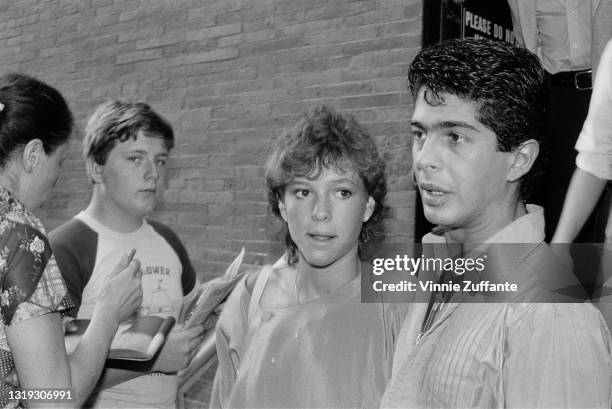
x: 134, y: 175
x: 461, y: 175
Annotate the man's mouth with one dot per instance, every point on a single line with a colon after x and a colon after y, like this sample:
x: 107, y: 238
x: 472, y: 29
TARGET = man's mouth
x: 432, y: 194
x: 432, y: 189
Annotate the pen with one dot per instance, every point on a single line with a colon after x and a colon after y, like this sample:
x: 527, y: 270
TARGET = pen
x: 131, y: 256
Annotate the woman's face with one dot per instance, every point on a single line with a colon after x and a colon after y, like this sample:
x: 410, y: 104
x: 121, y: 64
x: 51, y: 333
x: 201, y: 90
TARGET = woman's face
x: 43, y: 177
x: 325, y: 215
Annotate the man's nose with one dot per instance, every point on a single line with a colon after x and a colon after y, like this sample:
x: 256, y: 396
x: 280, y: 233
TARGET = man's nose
x: 427, y: 156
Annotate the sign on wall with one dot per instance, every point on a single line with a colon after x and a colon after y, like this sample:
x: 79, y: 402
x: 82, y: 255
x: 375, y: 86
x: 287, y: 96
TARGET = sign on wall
x: 444, y: 19
x: 487, y: 19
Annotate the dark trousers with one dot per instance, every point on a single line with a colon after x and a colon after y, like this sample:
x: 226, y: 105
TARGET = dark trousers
x: 569, y: 110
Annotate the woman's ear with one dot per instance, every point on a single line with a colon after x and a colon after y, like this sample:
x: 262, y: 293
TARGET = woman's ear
x: 94, y: 170
x: 524, y: 156
x: 369, y: 209
x: 282, y: 209
x: 31, y: 156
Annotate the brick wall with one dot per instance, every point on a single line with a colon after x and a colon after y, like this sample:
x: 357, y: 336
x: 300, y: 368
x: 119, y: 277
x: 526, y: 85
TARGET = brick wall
x: 229, y: 74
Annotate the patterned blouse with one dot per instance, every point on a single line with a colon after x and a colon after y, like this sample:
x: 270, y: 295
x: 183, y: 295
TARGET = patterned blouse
x: 30, y: 282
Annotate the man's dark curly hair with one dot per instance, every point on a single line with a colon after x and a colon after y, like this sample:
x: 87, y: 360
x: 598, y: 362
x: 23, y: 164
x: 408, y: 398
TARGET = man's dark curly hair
x: 507, y: 81
x: 323, y: 138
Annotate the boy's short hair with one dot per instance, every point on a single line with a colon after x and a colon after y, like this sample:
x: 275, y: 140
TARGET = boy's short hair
x: 323, y: 138
x: 507, y: 81
x: 116, y: 121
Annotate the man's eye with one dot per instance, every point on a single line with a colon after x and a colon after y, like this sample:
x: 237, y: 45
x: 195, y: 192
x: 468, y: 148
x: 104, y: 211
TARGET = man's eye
x: 302, y: 193
x: 456, y: 138
x: 162, y: 162
x: 344, y: 193
x: 417, y: 135
x: 134, y: 158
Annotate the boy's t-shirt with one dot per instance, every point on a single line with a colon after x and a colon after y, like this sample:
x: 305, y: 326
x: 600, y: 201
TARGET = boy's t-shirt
x: 87, y: 252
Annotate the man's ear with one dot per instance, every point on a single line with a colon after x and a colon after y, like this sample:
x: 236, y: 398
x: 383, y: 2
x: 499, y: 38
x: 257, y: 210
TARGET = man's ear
x: 282, y: 210
x: 369, y: 209
x: 523, y: 158
x: 94, y: 170
x: 31, y: 156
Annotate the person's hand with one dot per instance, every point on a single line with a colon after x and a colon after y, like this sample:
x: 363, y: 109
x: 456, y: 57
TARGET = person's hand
x: 69, y: 326
x: 122, y: 292
x: 179, y: 348
x: 213, y: 317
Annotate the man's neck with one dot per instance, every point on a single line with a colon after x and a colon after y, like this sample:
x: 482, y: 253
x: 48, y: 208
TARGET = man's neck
x: 481, y: 232
x: 113, y: 218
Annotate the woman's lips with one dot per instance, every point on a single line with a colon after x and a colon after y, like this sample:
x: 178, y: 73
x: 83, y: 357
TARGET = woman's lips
x: 321, y: 237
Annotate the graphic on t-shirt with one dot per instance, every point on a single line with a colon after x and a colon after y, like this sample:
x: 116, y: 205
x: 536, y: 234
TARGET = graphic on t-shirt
x: 158, y: 302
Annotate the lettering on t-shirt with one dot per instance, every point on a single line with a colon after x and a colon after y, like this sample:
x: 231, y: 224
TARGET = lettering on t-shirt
x: 159, y: 270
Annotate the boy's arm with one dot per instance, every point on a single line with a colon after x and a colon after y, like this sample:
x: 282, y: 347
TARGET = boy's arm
x: 74, y: 246
x: 582, y: 196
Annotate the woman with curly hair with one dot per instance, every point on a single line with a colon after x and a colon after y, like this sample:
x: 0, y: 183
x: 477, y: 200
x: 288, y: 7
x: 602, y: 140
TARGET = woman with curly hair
x: 295, y: 334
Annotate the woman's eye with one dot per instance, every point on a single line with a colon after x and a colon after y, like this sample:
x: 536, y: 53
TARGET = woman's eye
x: 302, y: 193
x: 344, y: 194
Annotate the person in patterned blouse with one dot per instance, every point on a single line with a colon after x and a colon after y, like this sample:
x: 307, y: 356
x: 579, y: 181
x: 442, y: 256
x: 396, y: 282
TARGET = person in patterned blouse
x: 35, y: 127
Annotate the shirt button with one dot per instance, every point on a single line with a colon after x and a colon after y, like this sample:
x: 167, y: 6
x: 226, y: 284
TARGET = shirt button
x: 266, y: 316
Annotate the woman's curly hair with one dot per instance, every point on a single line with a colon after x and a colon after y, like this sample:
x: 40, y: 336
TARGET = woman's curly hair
x: 323, y: 138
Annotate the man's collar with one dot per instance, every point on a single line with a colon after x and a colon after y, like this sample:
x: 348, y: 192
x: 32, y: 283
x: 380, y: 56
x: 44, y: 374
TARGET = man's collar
x: 528, y: 228
x: 524, y: 234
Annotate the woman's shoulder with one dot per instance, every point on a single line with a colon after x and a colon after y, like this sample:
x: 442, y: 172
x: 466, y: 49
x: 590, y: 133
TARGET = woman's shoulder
x: 237, y: 303
x: 250, y: 278
x: 13, y: 212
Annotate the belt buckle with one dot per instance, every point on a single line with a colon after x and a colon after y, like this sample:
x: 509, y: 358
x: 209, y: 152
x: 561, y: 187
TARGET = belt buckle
x: 588, y: 79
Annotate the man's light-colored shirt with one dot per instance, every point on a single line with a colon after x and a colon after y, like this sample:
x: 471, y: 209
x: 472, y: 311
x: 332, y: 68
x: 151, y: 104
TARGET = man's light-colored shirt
x: 558, y: 31
x: 594, y: 144
x: 506, y: 355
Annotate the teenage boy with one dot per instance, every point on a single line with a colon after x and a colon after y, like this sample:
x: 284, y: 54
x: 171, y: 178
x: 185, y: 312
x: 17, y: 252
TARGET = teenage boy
x: 126, y: 147
x: 480, y: 113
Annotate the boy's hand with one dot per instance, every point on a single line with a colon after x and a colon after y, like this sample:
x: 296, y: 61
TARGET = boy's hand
x: 179, y: 348
x: 211, y: 320
x: 122, y: 292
